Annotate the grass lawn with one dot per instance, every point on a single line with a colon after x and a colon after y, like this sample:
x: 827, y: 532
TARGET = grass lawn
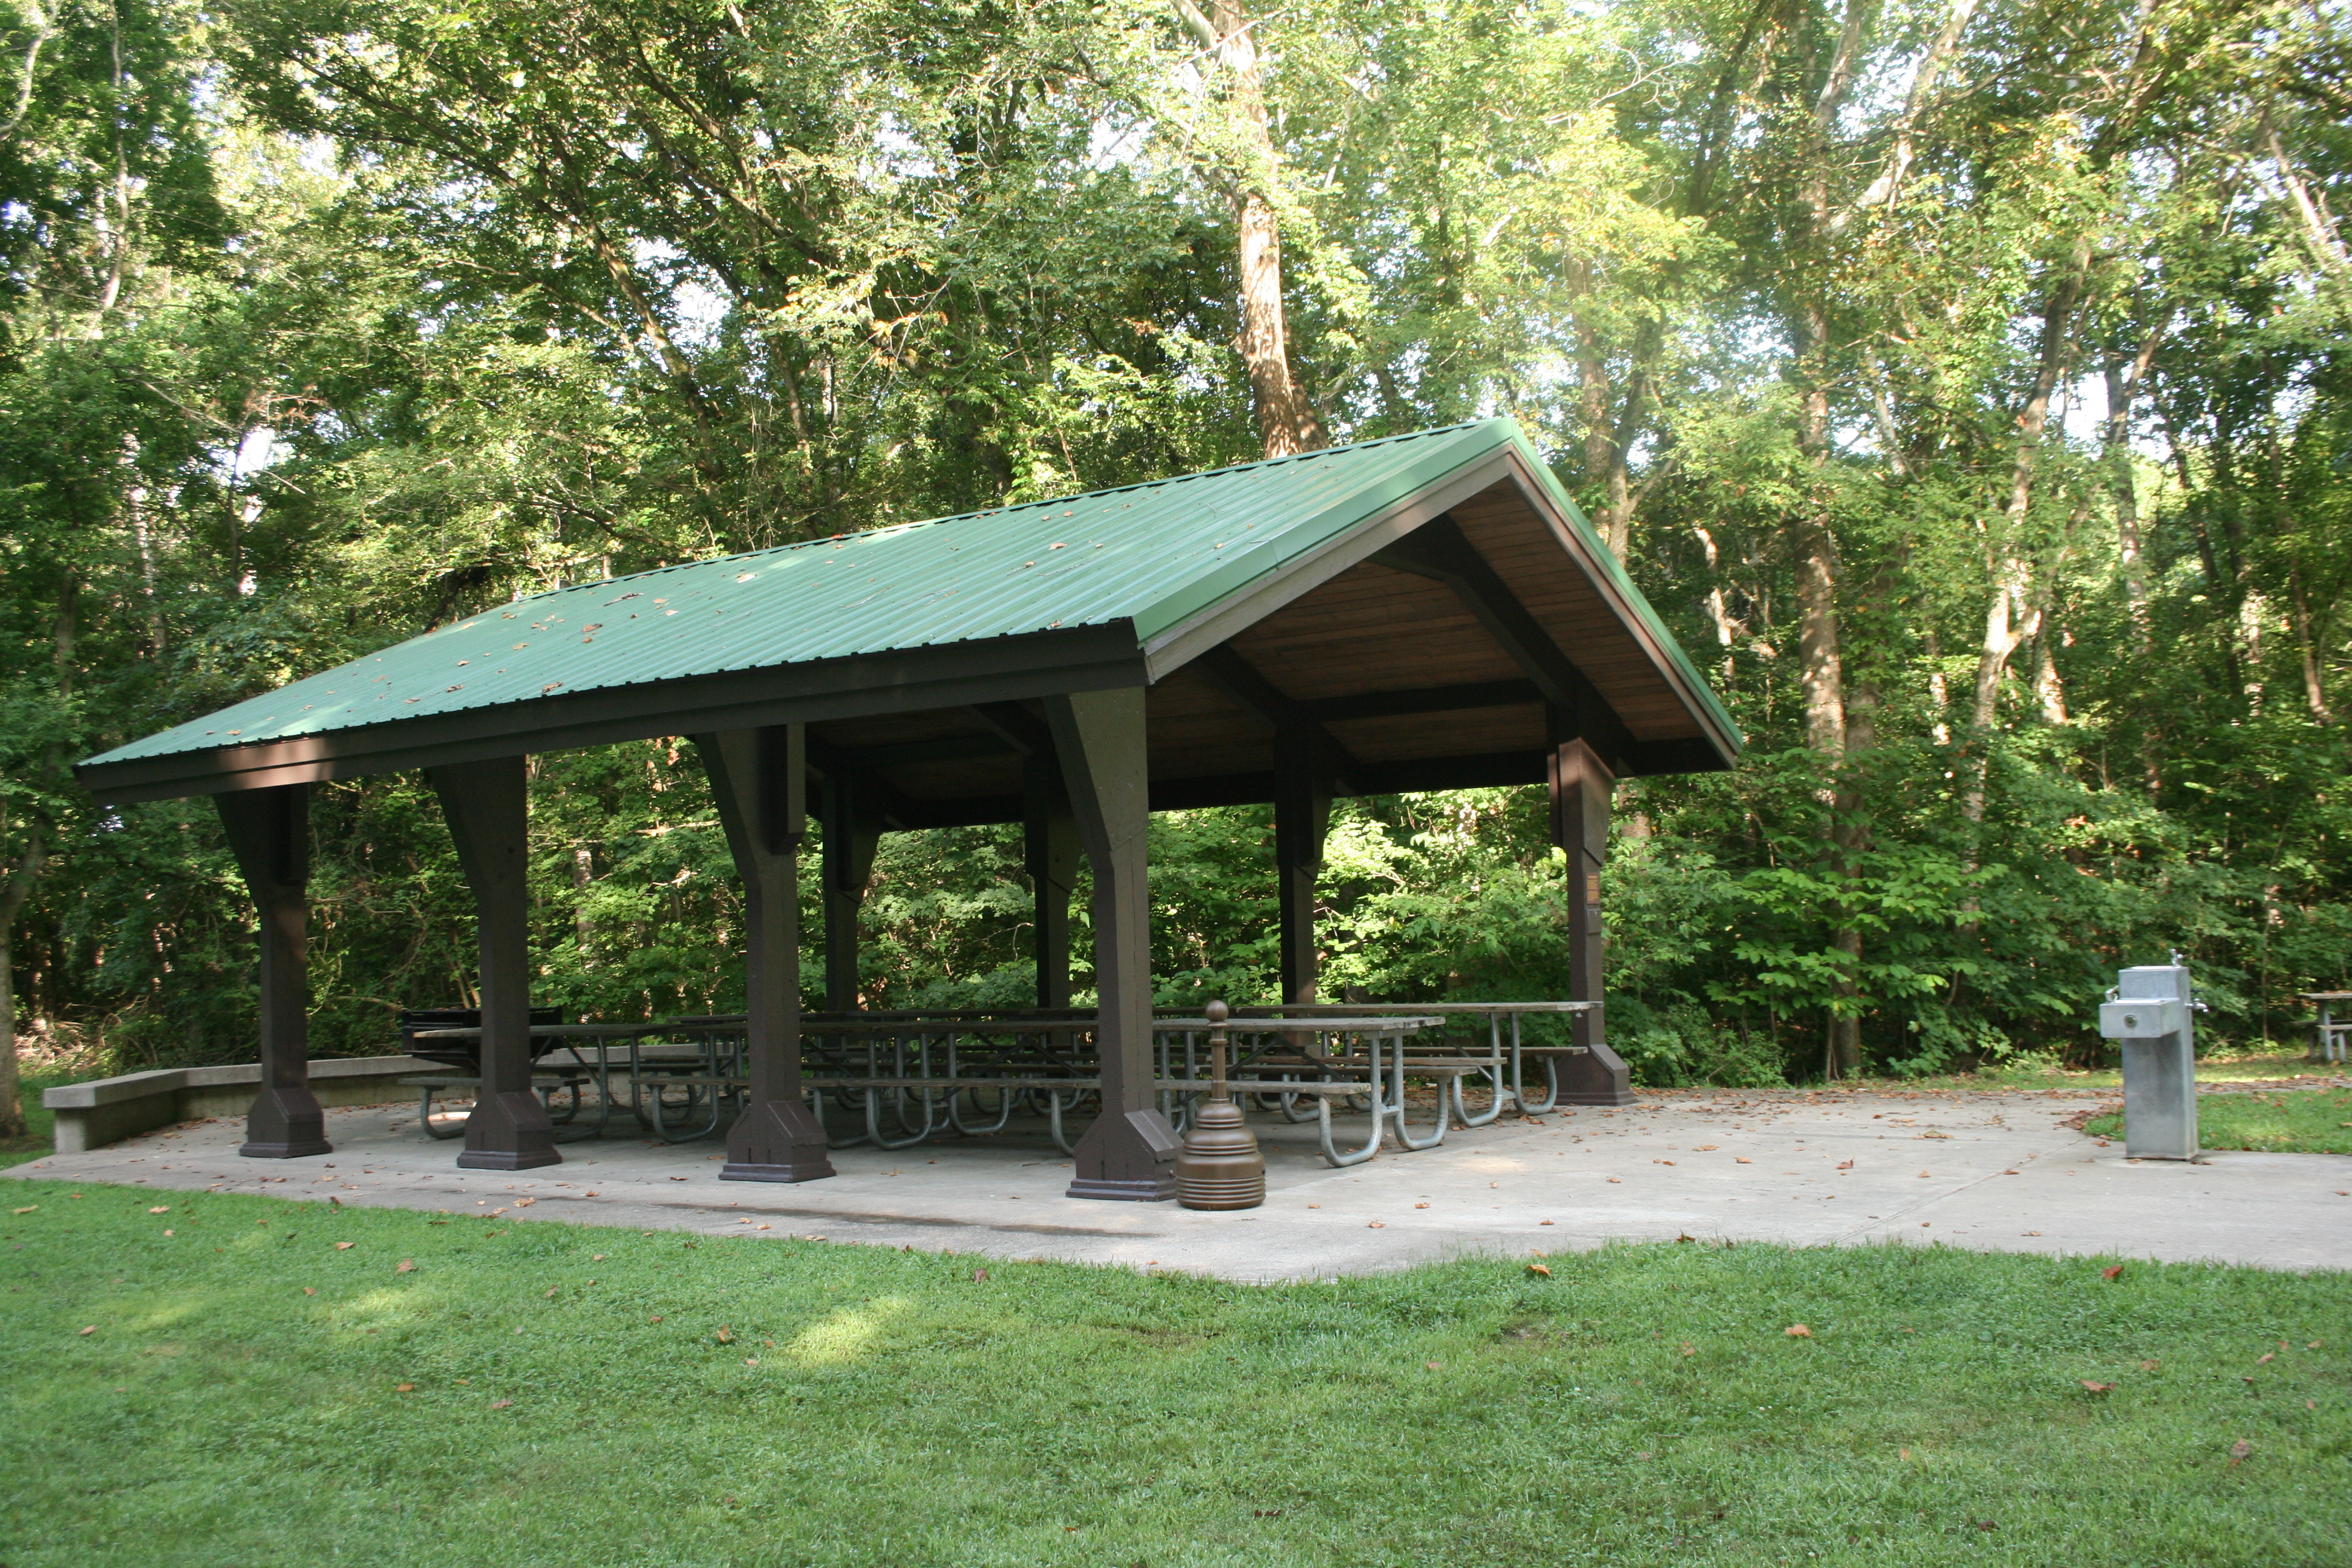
x: 541, y: 1392
x: 2305, y: 1121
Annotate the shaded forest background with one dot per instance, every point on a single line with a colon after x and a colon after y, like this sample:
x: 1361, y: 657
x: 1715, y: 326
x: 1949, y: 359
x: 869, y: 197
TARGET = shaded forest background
x: 1966, y: 381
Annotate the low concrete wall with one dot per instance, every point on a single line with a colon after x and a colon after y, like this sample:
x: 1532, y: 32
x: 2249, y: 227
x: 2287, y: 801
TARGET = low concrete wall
x: 108, y: 1110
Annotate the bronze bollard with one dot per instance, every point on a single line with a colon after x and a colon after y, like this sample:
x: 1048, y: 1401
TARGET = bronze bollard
x: 1220, y: 1167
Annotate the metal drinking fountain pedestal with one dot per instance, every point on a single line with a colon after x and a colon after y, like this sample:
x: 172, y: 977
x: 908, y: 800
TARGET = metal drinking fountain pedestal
x: 2150, y: 1014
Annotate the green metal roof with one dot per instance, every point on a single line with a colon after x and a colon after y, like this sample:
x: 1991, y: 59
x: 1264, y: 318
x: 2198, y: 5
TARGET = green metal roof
x: 1151, y: 555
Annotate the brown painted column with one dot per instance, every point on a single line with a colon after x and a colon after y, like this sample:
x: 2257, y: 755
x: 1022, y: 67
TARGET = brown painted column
x: 760, y: 779
x: 269, y: 830
x: 1581, y: 787
x: 1050, y: 845
x: 1302, y: 817
x: 488, y: 807
x: 850, y: 842
x: 1130, y: 1150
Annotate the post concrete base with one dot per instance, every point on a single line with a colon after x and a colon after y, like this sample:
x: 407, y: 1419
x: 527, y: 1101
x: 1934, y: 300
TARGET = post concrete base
x: 1130, y: 1158
x: 1599, y: 1077
x: 776, y: 1140
x: 284, y: 1123
x: 510, y: 1132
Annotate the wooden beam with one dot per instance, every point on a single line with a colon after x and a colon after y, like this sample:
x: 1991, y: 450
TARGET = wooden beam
x: 906, y: 753
x: 1428, y: 699
x: 1050, y: 848
x: 1439, y: 551
x: 1131, y: 1150
x: 853, y: 834
x: 759, y: 780
x: 487, y: 805
x: 1582, y: 788
x: 908, y: 680
x: 1302, y: 818
x: 1294, y: 730
x: 269, y: 831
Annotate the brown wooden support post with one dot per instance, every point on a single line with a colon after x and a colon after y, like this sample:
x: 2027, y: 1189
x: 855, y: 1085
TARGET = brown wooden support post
x: 1302, y: 818
x: 851, y: 839
x: 488, y: 807
x: 760, y: 779
x: 1130, y: 1150
x: 269, y: 830
x: 1581, y: 785
x: 1050, y: 844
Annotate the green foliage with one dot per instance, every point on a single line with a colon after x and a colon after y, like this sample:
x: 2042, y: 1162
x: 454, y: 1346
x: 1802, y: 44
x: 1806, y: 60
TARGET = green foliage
x: 322, y: 321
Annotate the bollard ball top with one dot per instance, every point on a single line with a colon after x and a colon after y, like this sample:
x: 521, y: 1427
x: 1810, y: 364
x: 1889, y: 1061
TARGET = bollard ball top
x: 1217, y: 1012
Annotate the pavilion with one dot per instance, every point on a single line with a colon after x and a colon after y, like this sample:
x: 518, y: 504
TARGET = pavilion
x: 1421, y: 612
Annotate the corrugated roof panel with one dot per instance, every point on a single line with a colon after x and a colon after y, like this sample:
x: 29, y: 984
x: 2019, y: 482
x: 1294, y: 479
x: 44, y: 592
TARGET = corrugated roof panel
x: 1152, y: 554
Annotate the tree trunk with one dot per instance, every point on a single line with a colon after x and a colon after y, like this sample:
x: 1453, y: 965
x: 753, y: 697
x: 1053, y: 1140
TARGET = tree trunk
x: 2004, y: 631
x: 1287, y: 421
x: 18, y: 888
x: 2314, y: 687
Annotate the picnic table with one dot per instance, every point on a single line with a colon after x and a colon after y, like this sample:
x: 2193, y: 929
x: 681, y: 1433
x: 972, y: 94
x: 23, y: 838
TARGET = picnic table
x: 2330, y: 1034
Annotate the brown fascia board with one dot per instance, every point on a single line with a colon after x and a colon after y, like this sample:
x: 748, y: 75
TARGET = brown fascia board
x: 1721, y: 748
x: 905, y: 680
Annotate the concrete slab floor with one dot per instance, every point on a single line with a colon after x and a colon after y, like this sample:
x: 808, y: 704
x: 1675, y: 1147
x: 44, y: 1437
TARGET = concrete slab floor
x: 1997, y: 1170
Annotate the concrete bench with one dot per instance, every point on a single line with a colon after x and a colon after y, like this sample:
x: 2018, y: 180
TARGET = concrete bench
x: 108, y: 1110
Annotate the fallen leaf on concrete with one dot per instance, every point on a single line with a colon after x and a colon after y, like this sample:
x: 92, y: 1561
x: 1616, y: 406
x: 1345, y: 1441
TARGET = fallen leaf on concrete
x: 524, y: 1203
x: 346, y: 1245
x: 2117, y: 1272
x: 1378, y: 1224
x: 1798, y: 1332
x: 1614, y: 1181
x: 2238, y: 1451
x: 1742, y: 1159
x: 1540, y: 1269
x: 1662, y: 1162
x: 1421, y: 1205
x: 405, y: 1266
x: 1543, y: 1222
x: 2098, y: 1387
x: 1705, y: 1148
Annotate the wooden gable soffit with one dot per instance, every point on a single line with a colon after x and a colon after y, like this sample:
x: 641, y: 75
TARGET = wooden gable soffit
x: 1440, y: 551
